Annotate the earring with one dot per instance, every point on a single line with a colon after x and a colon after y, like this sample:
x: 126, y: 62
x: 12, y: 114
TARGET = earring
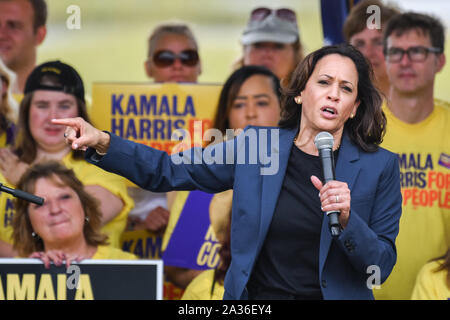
x: 352, y: 116
x: 298, y: 99
x: 86, y: 219
x: 35, y: 236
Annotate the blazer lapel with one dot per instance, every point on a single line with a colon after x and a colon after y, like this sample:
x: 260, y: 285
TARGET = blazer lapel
x: 347, y: 170
x: 271, y: 184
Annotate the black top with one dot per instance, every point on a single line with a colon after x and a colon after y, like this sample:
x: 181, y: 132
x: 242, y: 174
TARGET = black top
x: 288, y: 264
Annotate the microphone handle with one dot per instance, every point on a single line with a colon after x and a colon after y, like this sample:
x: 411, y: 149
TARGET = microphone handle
x: 326, y: 156
x: 22, y: 195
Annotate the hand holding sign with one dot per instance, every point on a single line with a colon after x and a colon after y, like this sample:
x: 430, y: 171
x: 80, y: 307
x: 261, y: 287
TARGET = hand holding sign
x: 80, y: 135
x: 57, y: 257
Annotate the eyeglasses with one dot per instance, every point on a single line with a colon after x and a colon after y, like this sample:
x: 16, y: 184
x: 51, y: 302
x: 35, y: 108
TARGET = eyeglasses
x: 415, y: 54
x: 166, y: 58
x: 260, y: 14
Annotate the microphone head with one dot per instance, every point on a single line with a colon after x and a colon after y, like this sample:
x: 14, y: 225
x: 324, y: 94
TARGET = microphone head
x: 324, y: 140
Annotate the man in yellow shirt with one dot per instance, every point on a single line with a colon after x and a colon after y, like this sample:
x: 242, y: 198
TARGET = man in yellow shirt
x: 418, y: 129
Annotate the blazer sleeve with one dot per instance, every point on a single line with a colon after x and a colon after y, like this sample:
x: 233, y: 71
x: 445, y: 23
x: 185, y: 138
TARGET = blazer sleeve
x: 372, y: 243
x: 194, y: 169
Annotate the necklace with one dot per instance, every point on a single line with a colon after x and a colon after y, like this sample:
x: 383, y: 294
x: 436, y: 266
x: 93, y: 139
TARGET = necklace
x: 295, y: 142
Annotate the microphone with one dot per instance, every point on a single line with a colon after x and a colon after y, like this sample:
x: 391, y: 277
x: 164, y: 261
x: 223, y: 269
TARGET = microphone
x: 324, y: 143
x: 22, y: 195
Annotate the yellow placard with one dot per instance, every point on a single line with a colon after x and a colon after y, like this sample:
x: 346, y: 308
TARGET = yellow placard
x: 150, y: 113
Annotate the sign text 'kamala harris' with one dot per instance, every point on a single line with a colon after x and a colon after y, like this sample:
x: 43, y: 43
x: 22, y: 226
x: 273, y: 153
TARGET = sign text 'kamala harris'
x: 151, y: 113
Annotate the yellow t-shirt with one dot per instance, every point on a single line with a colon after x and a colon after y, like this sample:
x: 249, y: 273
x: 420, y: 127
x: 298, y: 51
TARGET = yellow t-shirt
x: 431, y: 285
x: 200, y: 288
x: 6, y: 212
x: 424, y: 156
x: 175, y: 212
x: 3, y: 139
x: 110, y: 253
x: 92, y: 175
x: 88, y: 174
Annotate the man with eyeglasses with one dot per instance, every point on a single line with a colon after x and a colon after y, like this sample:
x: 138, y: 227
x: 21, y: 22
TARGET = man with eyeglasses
x: 418, y: 129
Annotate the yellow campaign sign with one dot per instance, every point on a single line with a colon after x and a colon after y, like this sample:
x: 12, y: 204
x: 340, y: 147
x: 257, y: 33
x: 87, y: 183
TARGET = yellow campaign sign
x: 151, y: 113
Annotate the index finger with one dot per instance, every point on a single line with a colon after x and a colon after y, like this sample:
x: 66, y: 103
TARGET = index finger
x: 71, y: 122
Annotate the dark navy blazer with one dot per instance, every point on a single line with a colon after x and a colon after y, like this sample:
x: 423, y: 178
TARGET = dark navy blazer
x: 363, y: 254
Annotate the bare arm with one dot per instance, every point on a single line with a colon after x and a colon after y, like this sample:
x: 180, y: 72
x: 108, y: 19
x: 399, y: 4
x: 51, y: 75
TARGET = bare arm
x: 110, y: 204
x: 181, y: 277
x: 6, y: 250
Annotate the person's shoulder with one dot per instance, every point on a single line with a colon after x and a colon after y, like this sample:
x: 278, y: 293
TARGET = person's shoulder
x: 111, y: 253
x: 385, y: 153
x: 200, y: 287
x: 267, y: 130
x: 430, y: 267
x: 442, y: 107
x: 380, y: 153
x: 381, y: 158
x: 252, y: 127
x: 439, y: 103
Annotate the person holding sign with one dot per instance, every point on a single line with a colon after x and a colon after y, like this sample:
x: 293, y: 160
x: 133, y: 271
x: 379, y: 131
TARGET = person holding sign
x: 55, y: 90
x: 66, y: 227
x: 172, y: 57
x: 173, y: 54
x: 250, y: 96
x: 281, y: 245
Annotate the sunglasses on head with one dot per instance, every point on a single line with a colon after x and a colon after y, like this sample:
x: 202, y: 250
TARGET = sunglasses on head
x: 261, y: 13
x: 165, y: 58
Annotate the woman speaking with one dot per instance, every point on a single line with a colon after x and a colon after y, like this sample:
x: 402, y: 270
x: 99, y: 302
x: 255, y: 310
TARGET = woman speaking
x: 281, y: 246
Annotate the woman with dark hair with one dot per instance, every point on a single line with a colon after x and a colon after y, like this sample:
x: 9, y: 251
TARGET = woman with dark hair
x: 366, y: 123
x: 230, y: 101
x: 250, y: 96
x: 281, y: 245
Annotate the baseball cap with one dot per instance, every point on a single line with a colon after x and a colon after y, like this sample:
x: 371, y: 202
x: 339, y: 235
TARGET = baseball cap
x: 273, y: 25
x: 55, y: 76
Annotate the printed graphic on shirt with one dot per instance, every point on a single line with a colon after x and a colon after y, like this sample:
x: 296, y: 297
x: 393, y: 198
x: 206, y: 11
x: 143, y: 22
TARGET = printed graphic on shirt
x: 422, y: 183
x: 444, y: 160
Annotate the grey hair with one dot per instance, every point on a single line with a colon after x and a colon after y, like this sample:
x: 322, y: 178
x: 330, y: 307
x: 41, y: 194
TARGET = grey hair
x: 173, y: 28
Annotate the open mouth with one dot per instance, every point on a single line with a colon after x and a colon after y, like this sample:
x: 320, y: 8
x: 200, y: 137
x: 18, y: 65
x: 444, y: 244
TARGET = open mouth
x: 329, y: 110
x: 53, y: 131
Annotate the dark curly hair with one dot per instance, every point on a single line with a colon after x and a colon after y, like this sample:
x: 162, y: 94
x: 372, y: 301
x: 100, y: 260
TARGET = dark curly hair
x: 368, y: 126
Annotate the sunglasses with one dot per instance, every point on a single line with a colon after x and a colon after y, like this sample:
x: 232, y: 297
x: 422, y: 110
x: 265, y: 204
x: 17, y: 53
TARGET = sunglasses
x: 260, y: 14
x: 166, y: 58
